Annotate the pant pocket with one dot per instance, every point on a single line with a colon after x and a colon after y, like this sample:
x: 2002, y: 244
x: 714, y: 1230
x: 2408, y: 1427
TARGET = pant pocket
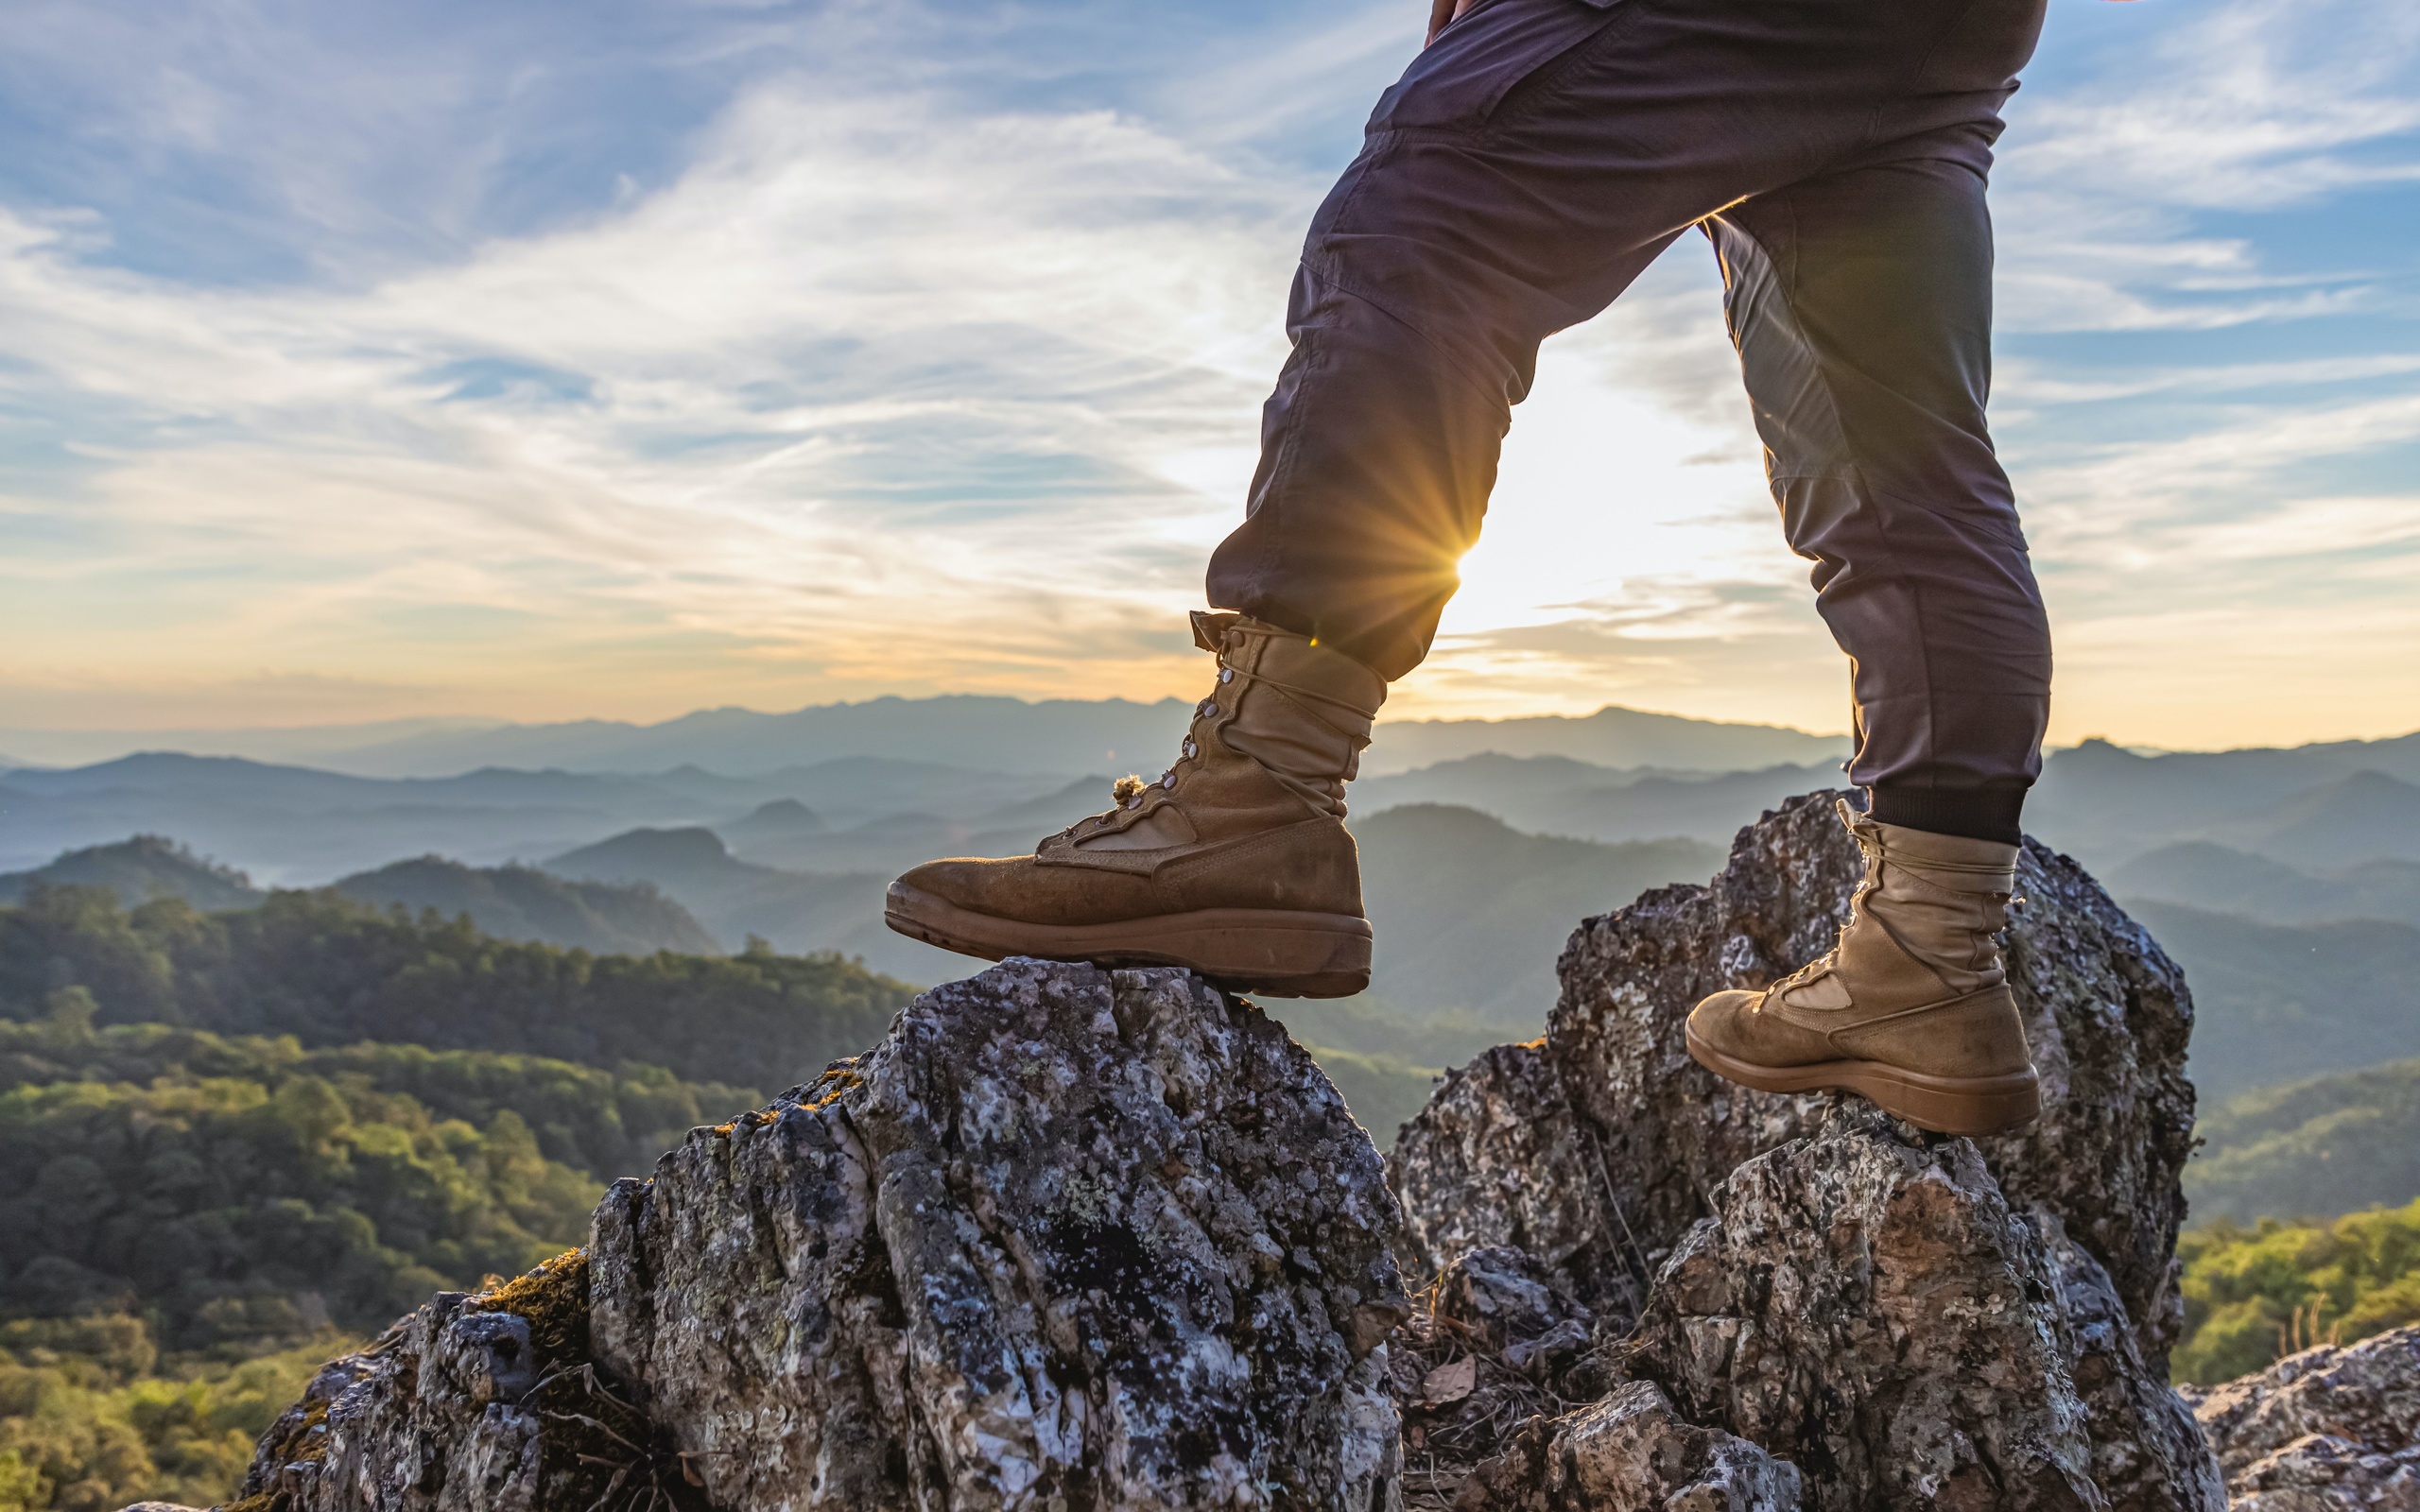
x: 1462, y: 76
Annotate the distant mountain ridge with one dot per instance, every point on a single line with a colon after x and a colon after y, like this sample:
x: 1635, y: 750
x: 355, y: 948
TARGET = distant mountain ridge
x: 2203, y: 875
x: 2332, y: 804
x: 137, y: 870
x: 2280, y: 1001
x: 525, y: 903
x: 1061, y: 736
x: 509, y: 902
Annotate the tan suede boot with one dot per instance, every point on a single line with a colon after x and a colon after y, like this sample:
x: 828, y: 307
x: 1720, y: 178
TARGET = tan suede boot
x: 1235, y: 863
x: 1911, y: 1008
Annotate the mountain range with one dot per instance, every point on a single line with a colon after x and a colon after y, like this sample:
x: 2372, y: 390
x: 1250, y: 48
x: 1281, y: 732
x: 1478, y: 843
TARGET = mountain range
x: 1055, y: 735
x: 2318, y: 810
x: 2287, y: 880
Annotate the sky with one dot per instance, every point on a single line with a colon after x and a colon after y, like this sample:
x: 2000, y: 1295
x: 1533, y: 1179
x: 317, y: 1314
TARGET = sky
x: 616, y: 358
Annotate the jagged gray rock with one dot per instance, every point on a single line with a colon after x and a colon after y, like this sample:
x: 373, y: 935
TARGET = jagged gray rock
x: 1066, y: 1234
x: 1864, y: 1304
x: 2319, y: 1473
x: 1068, y: 1237
x: 2148, y: 1454
x: 1499, y: 1305
x: 1595, y: 1147
x: 2330, y: 1428
x: 1495, y: 1157
x: 439, y: 1415
x: 1630, y: 1452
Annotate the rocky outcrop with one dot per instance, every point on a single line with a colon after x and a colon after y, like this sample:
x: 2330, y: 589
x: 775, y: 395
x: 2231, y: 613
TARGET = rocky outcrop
x: 470, y: 1403
x: 2329, y: 1430
x: 1912, y: 1321
x: 1595, y: 1147
x: 1067, y: 1238
x: 1865, y: 1302
x: 2147, y: 1452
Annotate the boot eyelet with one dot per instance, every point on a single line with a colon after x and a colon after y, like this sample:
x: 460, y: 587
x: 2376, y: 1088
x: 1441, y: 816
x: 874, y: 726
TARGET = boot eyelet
x: 1168, y: 779
x: 1209, y: 710
x: 1226, y: 674
x: 1191, y: 751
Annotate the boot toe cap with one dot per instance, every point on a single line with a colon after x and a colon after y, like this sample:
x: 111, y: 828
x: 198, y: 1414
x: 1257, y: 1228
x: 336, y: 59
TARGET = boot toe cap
x: 964, y: 881
x: 1744, y: 1027
x: 1716, y: 1020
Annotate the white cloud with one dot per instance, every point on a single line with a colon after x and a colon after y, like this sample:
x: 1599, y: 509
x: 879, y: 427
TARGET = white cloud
x: 888, y: 384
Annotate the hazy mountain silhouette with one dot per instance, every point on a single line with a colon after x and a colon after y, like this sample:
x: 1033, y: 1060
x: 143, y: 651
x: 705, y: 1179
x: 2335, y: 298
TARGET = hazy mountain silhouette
x: 2106, y: 805
x: 2203, y: 875
x: 1058, y: 735
x: 510, y: 902
x: 1613, y: 736
x: 781, y: 819
x: 1471, y: 915
x: 2281, y: 1001
x: 1557, y: 794
x: 300, y: 826
x: 2358, y: 818
x: 525, y: 903
x: 138, y: 871
x: 794, y: 912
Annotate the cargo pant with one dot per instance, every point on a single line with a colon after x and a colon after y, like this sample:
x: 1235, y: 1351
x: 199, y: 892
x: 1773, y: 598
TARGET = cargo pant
x: 1529, y: 164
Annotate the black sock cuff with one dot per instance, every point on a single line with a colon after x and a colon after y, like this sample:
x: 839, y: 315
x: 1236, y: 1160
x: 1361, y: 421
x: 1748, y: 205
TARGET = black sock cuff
x: 1975, y: 813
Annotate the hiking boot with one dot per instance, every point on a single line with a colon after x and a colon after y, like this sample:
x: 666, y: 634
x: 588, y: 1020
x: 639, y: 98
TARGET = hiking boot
x: 1235, y: 862
x: 1911, y: 1008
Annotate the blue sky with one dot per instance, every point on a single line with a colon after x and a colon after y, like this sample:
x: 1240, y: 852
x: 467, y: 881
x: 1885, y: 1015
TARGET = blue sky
x: 547, y: 360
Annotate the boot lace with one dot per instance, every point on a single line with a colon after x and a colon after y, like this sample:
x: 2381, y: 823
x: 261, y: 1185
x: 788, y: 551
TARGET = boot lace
x: 1128, y: 792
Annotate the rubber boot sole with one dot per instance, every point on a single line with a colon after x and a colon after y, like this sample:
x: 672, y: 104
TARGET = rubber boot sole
x: 1945, y: 1105
x: 1277, y: 951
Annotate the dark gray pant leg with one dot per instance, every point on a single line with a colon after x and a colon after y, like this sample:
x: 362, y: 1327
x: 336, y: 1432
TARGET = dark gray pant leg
x: 1860, y: 302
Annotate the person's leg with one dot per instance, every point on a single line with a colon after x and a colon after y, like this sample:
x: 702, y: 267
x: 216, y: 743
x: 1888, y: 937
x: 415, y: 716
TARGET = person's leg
x: 1860, y: 302
x: 1533, y: 160
x: 1528, y: 167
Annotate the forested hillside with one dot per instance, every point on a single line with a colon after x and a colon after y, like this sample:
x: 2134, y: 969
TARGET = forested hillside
x: 2312, y: 1148
x: 333, y: 971
x: 199, y: 1218
x: 197, y: 1222
x: 2255, y: 1295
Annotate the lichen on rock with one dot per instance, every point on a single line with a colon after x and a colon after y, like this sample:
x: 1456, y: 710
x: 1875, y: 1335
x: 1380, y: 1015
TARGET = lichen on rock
x: 1067, y: 1238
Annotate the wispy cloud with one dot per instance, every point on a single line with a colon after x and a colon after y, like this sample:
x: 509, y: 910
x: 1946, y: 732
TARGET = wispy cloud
x: 574, y: 360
